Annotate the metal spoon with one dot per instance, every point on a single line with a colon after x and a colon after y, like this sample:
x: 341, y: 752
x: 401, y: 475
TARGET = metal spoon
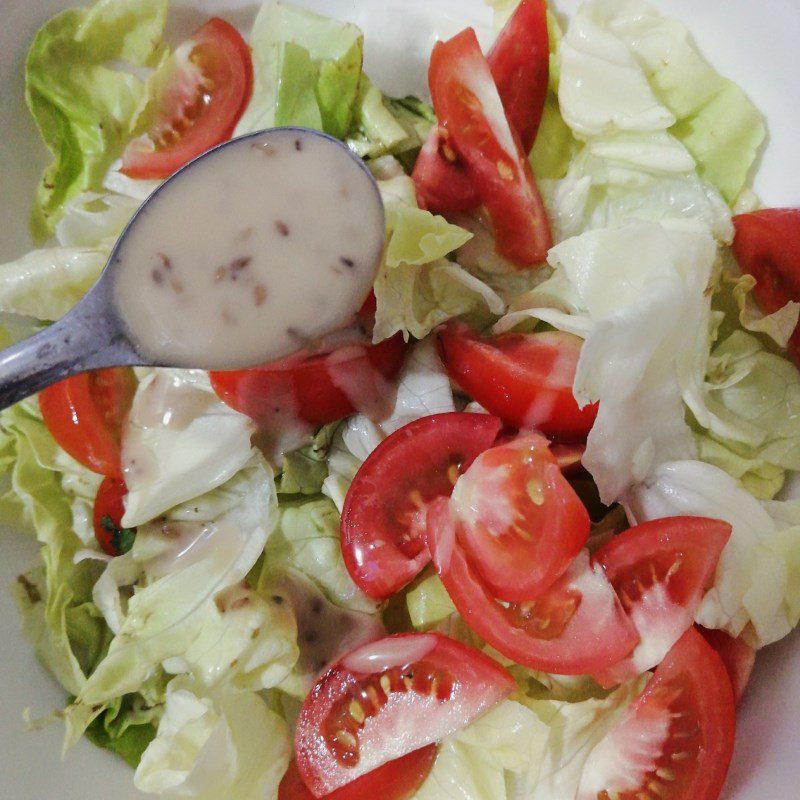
x: 93, y: 334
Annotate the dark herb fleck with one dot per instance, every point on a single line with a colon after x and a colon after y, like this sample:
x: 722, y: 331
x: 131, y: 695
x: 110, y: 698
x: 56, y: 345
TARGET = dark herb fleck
x: 298, y: 145
x: 166, y: 261
x: 282, y: 227
x: 157, y: 276
x: 122, y: 539
x: 348, y: 262
x: 277, y: 599
x: 259, y: 294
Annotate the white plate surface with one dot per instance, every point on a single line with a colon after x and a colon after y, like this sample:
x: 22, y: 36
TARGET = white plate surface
x: 753, y: 43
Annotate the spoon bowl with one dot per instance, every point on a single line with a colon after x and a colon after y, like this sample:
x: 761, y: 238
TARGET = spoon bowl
x: 254, y: 251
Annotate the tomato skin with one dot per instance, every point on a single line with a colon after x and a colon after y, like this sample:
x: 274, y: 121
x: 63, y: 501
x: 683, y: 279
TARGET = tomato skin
x: 200, y: 104
x: 472, y: 119
x: 520, y: 65
x: 409, y: 690
x: 107, y: 518
x: 382, y: 548
x: 395, y: 780
x: 524, y: 378
x: 308, y: 385
x: 678, y: 735
x: 519, y: 521
x: 660, y: 570
x: 577, y: 627
x: 737, y: 656
x: 767, y: 246
x: 85, y: 414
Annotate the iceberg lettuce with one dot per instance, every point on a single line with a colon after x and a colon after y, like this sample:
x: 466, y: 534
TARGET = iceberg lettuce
x: 180, y: 441
x: 227, y: 747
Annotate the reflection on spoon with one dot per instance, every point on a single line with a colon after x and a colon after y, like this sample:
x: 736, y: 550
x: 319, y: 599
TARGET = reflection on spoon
x: 253, y: 251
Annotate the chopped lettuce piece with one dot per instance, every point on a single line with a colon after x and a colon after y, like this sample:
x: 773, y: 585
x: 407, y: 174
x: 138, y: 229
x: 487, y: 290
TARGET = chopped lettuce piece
x: 305, y: 469
x: 574, y: 729
x: 638, y: 293
x: 307, y: 71
x: 195, y: 597
x: 84, y: 101
x: 417, y: 288
x: 307, y: 540
x: 754, y: 591
x: 227, y: 747
x: 60, y: 620
x: 180, y: 441
x: 46, y: 283
x: 429, y: 603
x: 497, y: 757
x: 753, y: 399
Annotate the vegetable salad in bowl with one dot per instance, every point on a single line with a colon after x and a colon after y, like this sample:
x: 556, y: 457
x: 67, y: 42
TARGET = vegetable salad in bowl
x: 523, y: 537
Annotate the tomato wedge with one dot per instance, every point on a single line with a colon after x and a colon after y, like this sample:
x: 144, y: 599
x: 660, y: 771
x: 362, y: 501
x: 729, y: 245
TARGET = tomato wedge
x: 473, y: 124
x: 520, y: 65
x: 85, y: 414
x: 767, y: 246
x: 318, y: 389
x: 518, y: 519
x: 660, y: 570
x: 675, y: 741
x: 524, y: 378
x: 577, y: 627
x: 107, y: 518
x: 383, y: 521
x: 387, y: 699
x: 199, y: 103
x: 737, y: 656
x: 395, y: 780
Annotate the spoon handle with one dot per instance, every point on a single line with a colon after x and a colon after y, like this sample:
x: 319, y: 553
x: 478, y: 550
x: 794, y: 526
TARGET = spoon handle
x: 78, y: 342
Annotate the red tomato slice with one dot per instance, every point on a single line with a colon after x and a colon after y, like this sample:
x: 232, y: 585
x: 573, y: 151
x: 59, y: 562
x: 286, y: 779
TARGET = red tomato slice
x: 318, y: 389
x: 767, y: 246
x: 395, y: 780
x: 520, y: 65
x: 577, y: 627
x: 524, y: 378
x: 473, y: 123
x: 387, y: 699
x: 85, y: 414
x: 382, y: 529
x: 737, y: 656
x: 107, y: 518
x: 200, y: 103
x: 660, y: 570
x: 675, y: 741
x: 518, y: 519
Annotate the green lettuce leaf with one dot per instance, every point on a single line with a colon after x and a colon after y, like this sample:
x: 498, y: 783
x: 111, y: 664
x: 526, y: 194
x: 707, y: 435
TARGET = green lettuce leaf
x: 753, y: 399
x: 417, y: 288
x: 55, y: 599
x: 497, y: 757
x: 307, y: 71
x: 429, y: 603
x: 85, y: 106
x: 226, y: 747
x: 305, y: 469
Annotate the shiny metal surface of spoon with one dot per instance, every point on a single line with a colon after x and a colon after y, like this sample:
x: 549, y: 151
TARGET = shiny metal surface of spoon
x: 93, y: 334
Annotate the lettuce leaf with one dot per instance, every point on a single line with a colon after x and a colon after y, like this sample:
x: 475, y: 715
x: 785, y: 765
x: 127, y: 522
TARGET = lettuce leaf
x: 753, y: 591
x: 417, y: 288
x: 226, y: 747
x: 307, y: 71
x: 55, y: 599
x: 305, y: 469
x: 429, y: 603
x: 84, y: 105
x: 626, y: 67
x: 497, y: 757
x: 753, y: 397
x: 180, y: 441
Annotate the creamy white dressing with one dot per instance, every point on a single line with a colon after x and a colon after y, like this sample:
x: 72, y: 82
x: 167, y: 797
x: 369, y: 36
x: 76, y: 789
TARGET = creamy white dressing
x: 251, y: 254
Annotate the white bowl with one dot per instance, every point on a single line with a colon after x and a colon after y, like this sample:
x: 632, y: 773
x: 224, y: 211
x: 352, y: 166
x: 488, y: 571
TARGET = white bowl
x: 753, y: 43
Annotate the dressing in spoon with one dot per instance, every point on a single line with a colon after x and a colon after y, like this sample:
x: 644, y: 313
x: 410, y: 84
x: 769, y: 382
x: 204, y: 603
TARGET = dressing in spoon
x: 251, y: 252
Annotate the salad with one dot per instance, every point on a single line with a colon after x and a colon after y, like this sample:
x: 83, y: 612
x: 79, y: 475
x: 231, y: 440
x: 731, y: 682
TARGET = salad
x: 523, y: 541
